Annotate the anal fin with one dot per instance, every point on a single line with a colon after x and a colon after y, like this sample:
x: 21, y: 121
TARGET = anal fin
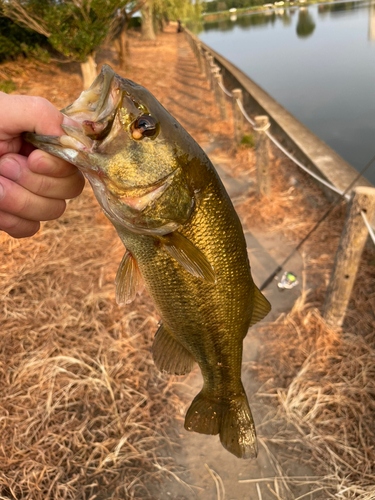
x: 261, y: 306
x: 128, y: 280
x: 188, y: 256
x: 169, y: 355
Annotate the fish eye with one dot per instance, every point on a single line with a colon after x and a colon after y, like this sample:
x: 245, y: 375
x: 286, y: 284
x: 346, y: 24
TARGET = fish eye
x: 144, y: 126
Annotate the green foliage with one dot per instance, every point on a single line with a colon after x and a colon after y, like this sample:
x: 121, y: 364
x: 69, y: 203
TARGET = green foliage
x: 217, y: 5
x: 177, y: 9
x: 15, y: 41
x: 248, y: 140
x: 74, y: 29
x: 7, y: 86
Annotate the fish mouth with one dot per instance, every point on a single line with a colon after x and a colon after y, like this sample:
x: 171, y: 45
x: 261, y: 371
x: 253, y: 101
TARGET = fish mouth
x: 97, y: 102
x: 92, y: 118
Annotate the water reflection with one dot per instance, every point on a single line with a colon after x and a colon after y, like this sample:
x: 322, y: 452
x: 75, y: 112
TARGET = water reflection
x: 305, y: 25
x: 247, y: 21
x: 338, y: 7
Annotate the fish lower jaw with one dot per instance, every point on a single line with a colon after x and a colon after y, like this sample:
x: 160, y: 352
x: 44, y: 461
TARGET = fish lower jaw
x: 73, y: 143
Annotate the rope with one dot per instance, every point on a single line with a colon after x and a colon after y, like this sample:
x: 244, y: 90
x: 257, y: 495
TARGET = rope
x: 369, y: 228
x: 301, y: 165
x: 225, y: 90
x: 290, y: 156
x: 240, y: 105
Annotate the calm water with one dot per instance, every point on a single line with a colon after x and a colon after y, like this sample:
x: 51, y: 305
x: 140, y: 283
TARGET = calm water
x: 318, y: 62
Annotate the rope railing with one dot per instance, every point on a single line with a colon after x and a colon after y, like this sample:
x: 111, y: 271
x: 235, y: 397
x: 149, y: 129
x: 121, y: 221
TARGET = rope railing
x: 281, y: 147
x: 360, y: 198
x: 229, y: 94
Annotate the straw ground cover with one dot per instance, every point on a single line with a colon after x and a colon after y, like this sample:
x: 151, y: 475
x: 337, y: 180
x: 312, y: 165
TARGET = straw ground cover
x: 82, y: 408
x: 322, y: 380
x: 83, y: 411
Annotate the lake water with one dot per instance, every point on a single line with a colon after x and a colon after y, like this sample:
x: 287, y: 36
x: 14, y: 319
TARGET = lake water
x: 318, y: 62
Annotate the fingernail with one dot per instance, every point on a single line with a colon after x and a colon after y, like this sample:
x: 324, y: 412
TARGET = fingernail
x: 10, y: 169
x: 70, y: 121
x: 1, y: 191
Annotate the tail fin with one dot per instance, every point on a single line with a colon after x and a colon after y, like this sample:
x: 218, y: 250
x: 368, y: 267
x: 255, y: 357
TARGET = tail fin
x: 204, y: 415
x: 231, y: 418
x: 237, y: 432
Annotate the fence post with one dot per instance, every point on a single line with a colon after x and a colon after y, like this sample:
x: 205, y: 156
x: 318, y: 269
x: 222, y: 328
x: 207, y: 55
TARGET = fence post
x: 207, y: 64
x: 348, y: 255
x: 220, y: 96
x: 237, y: 115
x: 215, y: 71
x: 262, y: 149
x: 199, y: 56
x: 210, y: 75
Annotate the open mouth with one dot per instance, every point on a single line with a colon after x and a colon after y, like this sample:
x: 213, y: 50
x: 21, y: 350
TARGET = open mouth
x: 92, y: 116
x: 93, y: 112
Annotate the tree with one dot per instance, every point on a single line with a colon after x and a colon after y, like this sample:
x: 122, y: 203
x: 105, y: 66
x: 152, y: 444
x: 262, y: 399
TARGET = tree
x: 172, y: 10
x: 148, y: 32
x: 119, y: 30
x: 15, y: 41
x: 74, y: 28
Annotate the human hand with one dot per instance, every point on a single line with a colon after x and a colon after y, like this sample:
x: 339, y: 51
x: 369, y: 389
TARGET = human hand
x: 33, y: 184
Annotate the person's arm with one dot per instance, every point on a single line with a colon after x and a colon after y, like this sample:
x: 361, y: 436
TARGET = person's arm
x: 33, y: 184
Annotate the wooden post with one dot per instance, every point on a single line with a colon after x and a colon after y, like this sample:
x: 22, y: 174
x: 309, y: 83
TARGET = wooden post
x: 220, y: 96
x: 237, y: 116
x: 207, y: 64
x: 215, y: 70
x: 210, y: 75
x: 200, y: 57
x: 262, y: 149
x: 348, y: 255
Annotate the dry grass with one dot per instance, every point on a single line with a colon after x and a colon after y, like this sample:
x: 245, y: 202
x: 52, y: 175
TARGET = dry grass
x: 83, y: 411
x: 322, y: 380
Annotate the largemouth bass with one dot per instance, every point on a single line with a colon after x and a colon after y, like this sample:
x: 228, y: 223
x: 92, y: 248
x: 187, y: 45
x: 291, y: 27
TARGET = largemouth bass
x: 184, y: 243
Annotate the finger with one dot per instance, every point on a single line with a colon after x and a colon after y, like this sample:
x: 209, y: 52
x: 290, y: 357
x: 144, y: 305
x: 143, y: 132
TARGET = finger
x: 29, y: 114
x: 15, y: 168
x: 19, y: 201
x: 43, y: 163
x: 16, y: 226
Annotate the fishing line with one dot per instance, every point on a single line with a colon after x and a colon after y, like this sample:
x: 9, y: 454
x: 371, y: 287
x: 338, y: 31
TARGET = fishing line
x: 334, y: 204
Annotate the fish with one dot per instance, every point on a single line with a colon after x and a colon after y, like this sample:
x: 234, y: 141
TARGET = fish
x: 183, y: 242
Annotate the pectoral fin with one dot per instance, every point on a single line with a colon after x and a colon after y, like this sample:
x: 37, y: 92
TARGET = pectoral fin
x: 188, y: 256
x: 128, y: 280
x: 261, y: 306
x: 169, y: 355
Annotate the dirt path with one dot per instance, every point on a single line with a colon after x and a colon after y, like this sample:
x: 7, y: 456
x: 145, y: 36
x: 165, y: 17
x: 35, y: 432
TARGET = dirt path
x: 191, y: 102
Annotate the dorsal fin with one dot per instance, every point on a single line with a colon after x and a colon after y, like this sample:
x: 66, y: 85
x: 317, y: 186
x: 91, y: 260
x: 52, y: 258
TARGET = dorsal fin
x: 188, y: 256
x: 261, y: 306
x: 128, y: 280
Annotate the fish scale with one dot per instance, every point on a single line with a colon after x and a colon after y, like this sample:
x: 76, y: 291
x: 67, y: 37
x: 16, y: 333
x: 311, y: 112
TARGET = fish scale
x: 183, y: 240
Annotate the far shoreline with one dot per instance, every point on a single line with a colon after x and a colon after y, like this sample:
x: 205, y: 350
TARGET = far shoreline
x: 225, y: 14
